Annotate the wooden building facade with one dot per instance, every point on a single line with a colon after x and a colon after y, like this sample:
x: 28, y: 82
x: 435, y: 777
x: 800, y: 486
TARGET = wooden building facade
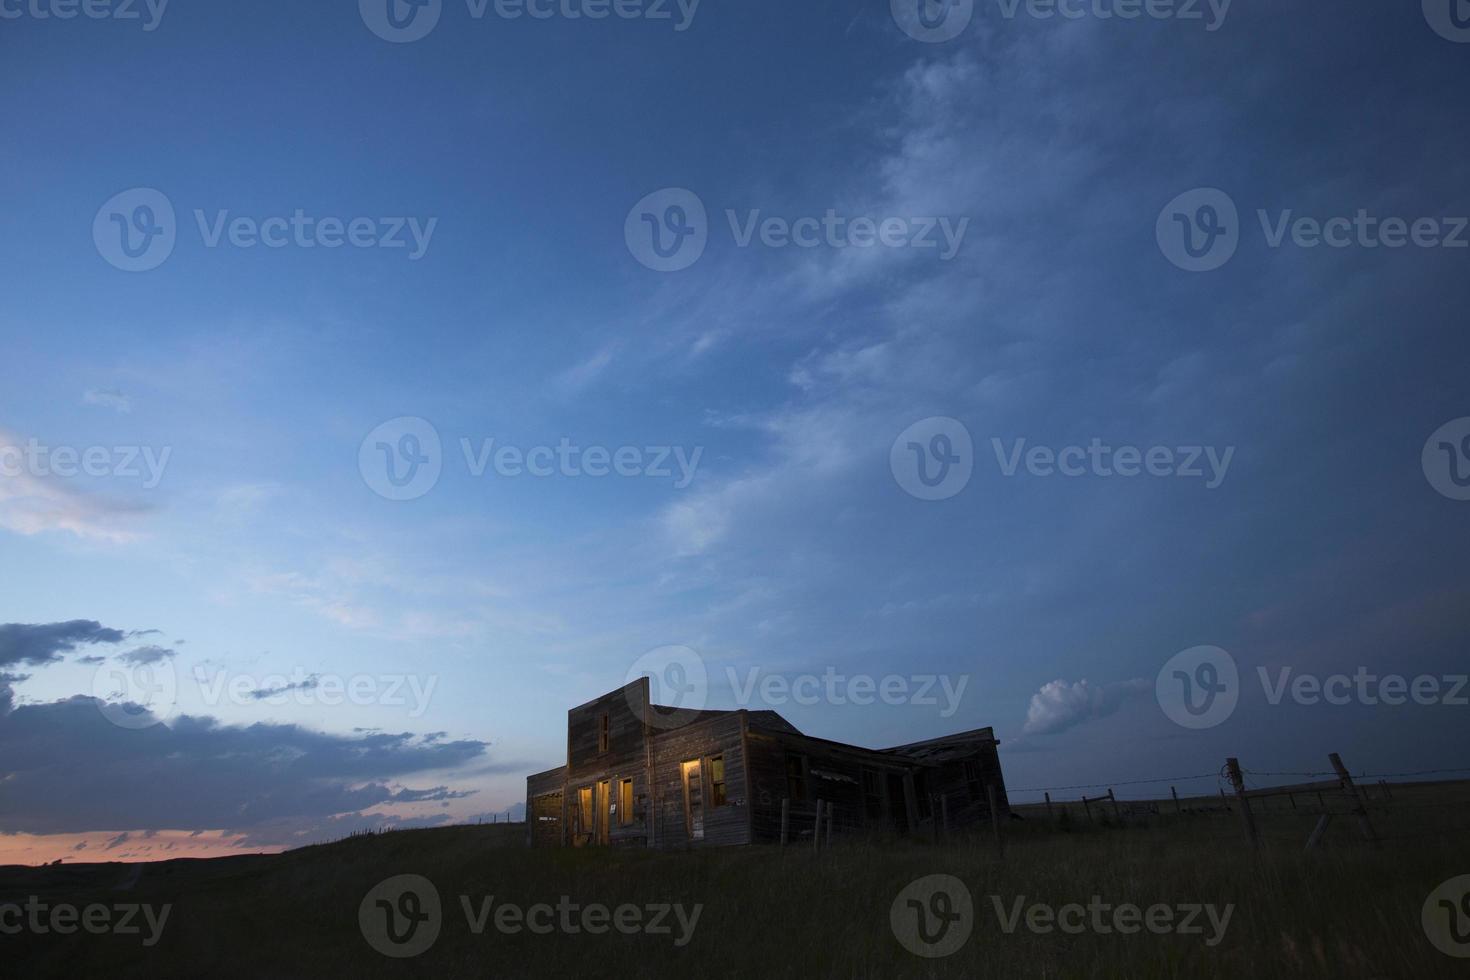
x: 641, y: 774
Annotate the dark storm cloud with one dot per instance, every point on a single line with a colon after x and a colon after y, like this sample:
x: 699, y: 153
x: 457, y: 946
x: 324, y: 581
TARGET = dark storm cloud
x: 64, y: 768
x: 43, y: 643
x: 147, y: 655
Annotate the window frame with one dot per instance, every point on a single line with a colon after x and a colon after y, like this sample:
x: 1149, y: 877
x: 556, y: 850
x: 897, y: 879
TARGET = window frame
x: 717, y: 795
x: 625, y: 801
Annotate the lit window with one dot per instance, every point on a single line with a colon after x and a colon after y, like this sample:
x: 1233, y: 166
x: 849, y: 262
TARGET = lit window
x: 625, y: 802
x: 717, y: 781
x: 584, y: 810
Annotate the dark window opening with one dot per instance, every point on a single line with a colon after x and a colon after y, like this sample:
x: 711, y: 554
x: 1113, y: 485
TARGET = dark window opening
x: 921, y: 794
x: 972, y: 781
x: 796, y: 778
x: 872, y: 794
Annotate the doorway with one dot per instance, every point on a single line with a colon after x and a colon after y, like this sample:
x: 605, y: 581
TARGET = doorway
x: 693, y: 799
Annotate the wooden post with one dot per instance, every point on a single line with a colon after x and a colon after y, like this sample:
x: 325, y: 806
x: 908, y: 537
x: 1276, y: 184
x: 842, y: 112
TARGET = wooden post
x: 1000, y: 847
x: 1321, y: 806
x: 1346, y: 780
x: 1175, y: 793
x: 1087, y: 808
x: 785, y: 813
x: 1291, y: 797
x: 817, y: 830
x: 1232, y: 765
x: 829, y: 822
x: 1048, y: 805
x: 1319, y: 830
x: 1117, y: 816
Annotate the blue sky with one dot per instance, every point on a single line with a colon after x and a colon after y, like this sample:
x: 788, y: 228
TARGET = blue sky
x: 794, y: 549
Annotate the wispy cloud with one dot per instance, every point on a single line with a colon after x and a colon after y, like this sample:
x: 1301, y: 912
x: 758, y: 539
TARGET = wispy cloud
x: 108, y: 398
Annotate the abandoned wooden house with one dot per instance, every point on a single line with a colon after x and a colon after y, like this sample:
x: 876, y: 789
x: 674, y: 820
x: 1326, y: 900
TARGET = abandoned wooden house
x: 642, y: 774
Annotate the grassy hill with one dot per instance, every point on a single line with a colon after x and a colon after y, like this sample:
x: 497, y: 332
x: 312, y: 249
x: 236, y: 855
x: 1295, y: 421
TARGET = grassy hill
x: 1346, y: 911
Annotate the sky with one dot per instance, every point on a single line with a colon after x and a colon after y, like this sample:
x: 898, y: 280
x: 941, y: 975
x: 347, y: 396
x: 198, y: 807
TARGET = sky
x: 380, y: 382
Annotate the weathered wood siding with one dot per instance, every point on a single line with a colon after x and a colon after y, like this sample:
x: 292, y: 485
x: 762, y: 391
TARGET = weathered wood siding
x: 546, y: 816
x: 721, y: 736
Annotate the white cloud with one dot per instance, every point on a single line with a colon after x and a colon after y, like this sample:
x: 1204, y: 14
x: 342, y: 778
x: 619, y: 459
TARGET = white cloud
x: 108, y: 398
x: 1061, y: 705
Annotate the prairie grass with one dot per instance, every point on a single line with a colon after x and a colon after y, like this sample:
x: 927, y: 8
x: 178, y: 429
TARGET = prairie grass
x: 1346, y: 910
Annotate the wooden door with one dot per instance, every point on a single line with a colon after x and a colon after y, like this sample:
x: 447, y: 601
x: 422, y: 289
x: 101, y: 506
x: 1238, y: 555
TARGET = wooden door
x: 604, y: 802
x: 693, y: 799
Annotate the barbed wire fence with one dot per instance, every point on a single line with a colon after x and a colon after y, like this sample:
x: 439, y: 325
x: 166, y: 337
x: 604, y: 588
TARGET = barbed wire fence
x: 1368, y: 798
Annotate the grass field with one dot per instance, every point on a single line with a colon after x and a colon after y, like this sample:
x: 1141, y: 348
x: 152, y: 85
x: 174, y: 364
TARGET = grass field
x: 1345, y: 911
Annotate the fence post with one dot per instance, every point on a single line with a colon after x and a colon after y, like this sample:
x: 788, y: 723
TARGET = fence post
x: 785, y: 812
x: 1117, y: 816
x: 1000, y: 847
x: 1232, y: 765
x: 1087, y: 808
x: 817, y: 830
x: 829, y: 822
x: 1175, y: 793
x: 1319, y: 830
x: 1346, y: 781
x: 1048, y: 805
